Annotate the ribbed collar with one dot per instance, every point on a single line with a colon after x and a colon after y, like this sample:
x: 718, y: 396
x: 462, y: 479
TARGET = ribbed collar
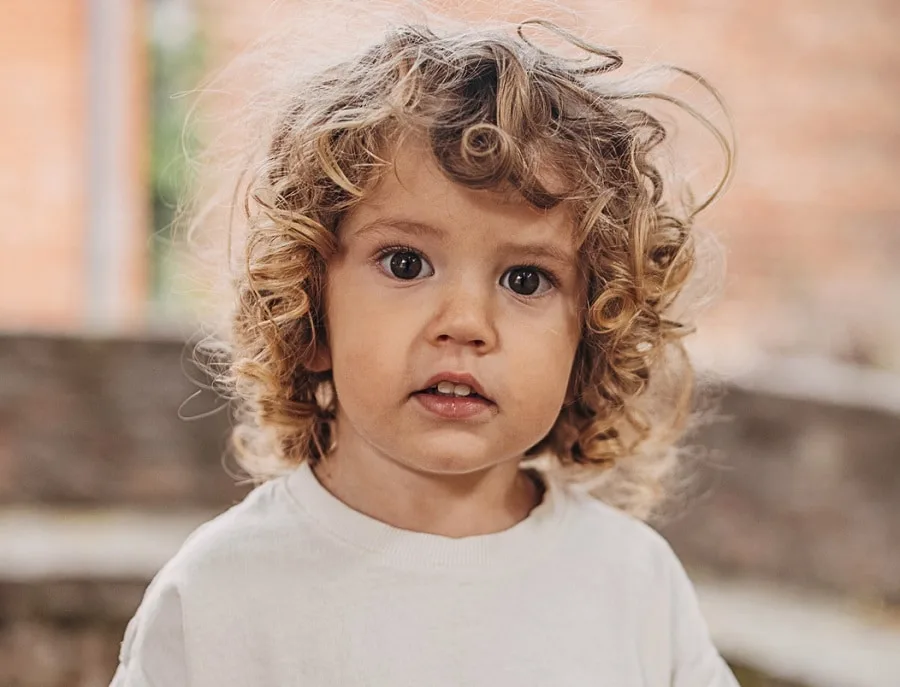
x: 525, y: 541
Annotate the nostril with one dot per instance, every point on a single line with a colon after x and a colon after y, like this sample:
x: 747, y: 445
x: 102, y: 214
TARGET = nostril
x: 479, y: 343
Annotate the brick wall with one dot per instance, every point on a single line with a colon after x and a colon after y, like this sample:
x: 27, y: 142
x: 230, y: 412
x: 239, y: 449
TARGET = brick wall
x: 43, y: 187
x: 96, y: 423
x: 47, y: 160
x: 811, y: 225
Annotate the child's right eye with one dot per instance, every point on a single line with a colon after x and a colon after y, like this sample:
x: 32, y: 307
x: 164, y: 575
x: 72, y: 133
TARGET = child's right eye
x: 404, y: 263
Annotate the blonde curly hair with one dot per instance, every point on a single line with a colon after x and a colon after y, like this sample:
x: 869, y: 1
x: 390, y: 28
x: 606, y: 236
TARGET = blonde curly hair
x: 499, y: 113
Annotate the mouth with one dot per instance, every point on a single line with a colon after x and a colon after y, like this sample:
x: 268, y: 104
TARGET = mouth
x: 455, y: 385
x: 455, y: 396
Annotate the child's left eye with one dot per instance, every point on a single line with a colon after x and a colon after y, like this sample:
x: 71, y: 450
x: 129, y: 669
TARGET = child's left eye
x: 527, y: 281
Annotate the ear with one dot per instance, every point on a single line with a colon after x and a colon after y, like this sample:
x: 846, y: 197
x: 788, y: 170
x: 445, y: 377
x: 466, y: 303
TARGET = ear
x: 321, y: 360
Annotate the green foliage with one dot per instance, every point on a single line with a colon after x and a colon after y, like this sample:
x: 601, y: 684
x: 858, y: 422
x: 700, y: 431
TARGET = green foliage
x: 175, y: 69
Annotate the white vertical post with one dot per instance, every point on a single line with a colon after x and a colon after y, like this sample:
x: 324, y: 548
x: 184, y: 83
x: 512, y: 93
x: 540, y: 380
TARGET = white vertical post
x: 115, y: 219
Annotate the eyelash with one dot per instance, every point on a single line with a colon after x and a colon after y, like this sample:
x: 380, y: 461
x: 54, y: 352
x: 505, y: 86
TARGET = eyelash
x: 387, y: 250
x: 547, y: 274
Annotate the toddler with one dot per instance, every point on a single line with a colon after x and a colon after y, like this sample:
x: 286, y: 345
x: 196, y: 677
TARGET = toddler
x: 454, y: 334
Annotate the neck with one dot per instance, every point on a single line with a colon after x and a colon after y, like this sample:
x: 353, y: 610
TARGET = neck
x: 451, y: 505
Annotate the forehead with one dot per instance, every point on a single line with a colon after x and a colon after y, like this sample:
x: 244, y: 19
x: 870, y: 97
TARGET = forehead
x: 414, y: 189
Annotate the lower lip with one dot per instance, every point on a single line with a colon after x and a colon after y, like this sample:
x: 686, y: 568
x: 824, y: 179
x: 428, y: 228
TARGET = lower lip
x: 453, y: 407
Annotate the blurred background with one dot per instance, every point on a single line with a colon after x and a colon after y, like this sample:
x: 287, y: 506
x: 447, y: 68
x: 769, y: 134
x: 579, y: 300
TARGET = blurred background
x: 794, y: 537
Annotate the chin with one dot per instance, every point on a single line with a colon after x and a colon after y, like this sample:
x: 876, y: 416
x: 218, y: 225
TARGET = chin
x: 459, y: 460
x: 448, y: 465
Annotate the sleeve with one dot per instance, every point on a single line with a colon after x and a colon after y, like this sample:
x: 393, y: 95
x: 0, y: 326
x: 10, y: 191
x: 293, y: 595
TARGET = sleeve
x: 695, y: 660
x: 153, y: 651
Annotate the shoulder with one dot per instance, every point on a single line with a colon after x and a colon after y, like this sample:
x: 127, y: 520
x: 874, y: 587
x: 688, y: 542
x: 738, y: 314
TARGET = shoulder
x: 221, y: 565
x: 238, y: 544
x: 190, y: 591
x: 632, y: 568
x: 265, y: 524
x: 608, y: 539
x: 615, y: 528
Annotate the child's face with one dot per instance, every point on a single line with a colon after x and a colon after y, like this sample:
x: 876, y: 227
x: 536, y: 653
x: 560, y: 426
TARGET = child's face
x: 425, y: 283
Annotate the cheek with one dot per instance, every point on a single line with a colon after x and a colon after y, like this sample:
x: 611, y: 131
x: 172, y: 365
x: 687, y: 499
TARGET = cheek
x: 367, y: 337
x: 543, y: 364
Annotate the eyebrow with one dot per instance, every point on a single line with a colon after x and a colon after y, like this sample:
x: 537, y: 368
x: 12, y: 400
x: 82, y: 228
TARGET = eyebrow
x: 406, y: 226
x: 537, y: 250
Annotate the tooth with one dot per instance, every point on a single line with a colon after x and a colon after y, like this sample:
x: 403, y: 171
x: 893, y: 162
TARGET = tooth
x: 445, y: 387
x: 462, y: 390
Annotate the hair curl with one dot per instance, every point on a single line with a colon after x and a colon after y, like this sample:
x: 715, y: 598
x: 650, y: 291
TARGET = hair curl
x: 499, y: 113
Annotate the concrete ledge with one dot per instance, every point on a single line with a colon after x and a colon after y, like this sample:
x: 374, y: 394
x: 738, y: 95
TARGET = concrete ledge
x: 812, y: 640
x: 38, y: 545
x: 823, y: 381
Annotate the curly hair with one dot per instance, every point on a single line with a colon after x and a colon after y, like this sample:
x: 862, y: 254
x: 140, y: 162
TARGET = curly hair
x: 501, y: 113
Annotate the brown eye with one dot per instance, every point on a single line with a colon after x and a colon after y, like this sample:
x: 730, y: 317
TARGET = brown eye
x: 405, y: 264
x: 526, y: 281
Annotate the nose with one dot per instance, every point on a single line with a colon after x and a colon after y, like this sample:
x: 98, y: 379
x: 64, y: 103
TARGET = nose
x: 464, y: 315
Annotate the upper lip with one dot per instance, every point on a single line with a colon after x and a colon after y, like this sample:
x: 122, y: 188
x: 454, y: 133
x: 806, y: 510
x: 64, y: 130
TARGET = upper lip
x: 457, y: 378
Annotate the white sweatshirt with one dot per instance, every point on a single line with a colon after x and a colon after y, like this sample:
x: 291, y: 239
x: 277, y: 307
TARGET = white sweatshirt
x: 294, y: 588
